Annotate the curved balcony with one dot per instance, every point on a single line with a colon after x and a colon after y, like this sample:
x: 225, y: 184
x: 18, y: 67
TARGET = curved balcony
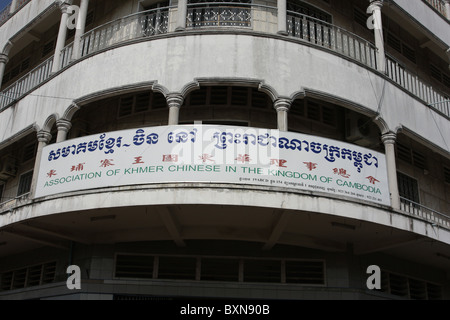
x: 249, y: 20
x: 242, y: 18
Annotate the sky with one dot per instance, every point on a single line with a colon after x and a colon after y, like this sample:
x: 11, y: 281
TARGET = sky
x: 4, y: 3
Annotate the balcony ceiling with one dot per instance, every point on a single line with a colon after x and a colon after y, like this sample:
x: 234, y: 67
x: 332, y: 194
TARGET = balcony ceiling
x: 206, y: 222
x: 423, y: 36
x: 35, y: 31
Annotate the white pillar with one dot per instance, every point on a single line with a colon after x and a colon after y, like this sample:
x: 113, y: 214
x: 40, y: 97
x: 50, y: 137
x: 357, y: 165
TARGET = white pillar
x: 282, y: 17
x: 282, y: 107
x: 448, y: 55
x: 182, y: 14
x: 389, y: 145
x: 81, y: 27
x: 447, y: 9
x: 3, y: 61
x: 62, y: 34
x: 43, y: 138
x: 63, y: 127
x: 174, y: 101
x: 375, y: 8
x: 13, y: 7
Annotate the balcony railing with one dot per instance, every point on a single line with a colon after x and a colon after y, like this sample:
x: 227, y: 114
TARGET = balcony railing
x: 332, y: 37
x: 27, y: 83
x: 430, y: 215
x: 232, y: 15
x: 439, y: 5
x: 143, y: 24
x: 412, y: 83
x: 223, y: 15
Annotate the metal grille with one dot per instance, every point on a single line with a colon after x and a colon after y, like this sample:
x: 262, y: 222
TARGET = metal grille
x: 408, y: 187
x: 218, y: 16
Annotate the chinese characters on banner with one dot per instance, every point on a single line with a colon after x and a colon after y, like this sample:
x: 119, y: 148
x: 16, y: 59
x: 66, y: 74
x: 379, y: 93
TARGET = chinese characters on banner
x: 214, y: 154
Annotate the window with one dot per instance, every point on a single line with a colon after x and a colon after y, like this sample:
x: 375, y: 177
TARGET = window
x: 17, y: 70
x: 411, y: 156
x: 178, y: 268
x: 130, y: 266
x: 408, y: 187
x: 396, y: 40
x: 228, y: 269
x: 439, y: 75
x: 139, y: 103
x: 29, y: 152
x: 228, y: 96
x: 447, y: 174
x: 216, y: 269
x: 305, y: 272
x: 2, y: 187
x: 360, y: 17
x: 315, y: 111
x: 262, y: 271
x: 25, y: 183
x: 90, y: 18
x: 48, y: 48
x: 403, y: 286
x: 308, y: 10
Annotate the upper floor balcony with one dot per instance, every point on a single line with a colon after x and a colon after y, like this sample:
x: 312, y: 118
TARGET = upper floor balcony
x: 231, y: 17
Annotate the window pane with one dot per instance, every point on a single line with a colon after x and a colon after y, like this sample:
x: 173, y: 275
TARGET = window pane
x: 177, y: 268
x: 408, y: 187
x: 305, y: 272
x: 262, y: 271
x: 220, y: 269
x: 128, y: 266
x: 25, y: 183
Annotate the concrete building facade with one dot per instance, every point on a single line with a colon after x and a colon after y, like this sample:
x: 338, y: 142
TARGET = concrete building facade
x: 104, y: 104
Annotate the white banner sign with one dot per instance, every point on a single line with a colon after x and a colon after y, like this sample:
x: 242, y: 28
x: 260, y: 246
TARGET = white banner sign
x: 214, y: 154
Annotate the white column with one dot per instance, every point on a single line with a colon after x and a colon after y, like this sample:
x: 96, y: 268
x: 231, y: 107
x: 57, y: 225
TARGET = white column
x: 447, y: 9
x: 282, y: 107
x: 13, y: 7
x: 43, y: 138
x: 63, y: 128
x: 282, y: 13
x: 375, y: 8
x: 3, y: 61
x: 389, y: 146
x: 174, y: 101
x: 182, y: 14
x: 81, y: 27
x: 448, y: 55
x: 62, y: 34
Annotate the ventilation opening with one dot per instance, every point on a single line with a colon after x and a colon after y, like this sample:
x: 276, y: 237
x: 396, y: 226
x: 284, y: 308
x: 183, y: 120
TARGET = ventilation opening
x: 226, y: 269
